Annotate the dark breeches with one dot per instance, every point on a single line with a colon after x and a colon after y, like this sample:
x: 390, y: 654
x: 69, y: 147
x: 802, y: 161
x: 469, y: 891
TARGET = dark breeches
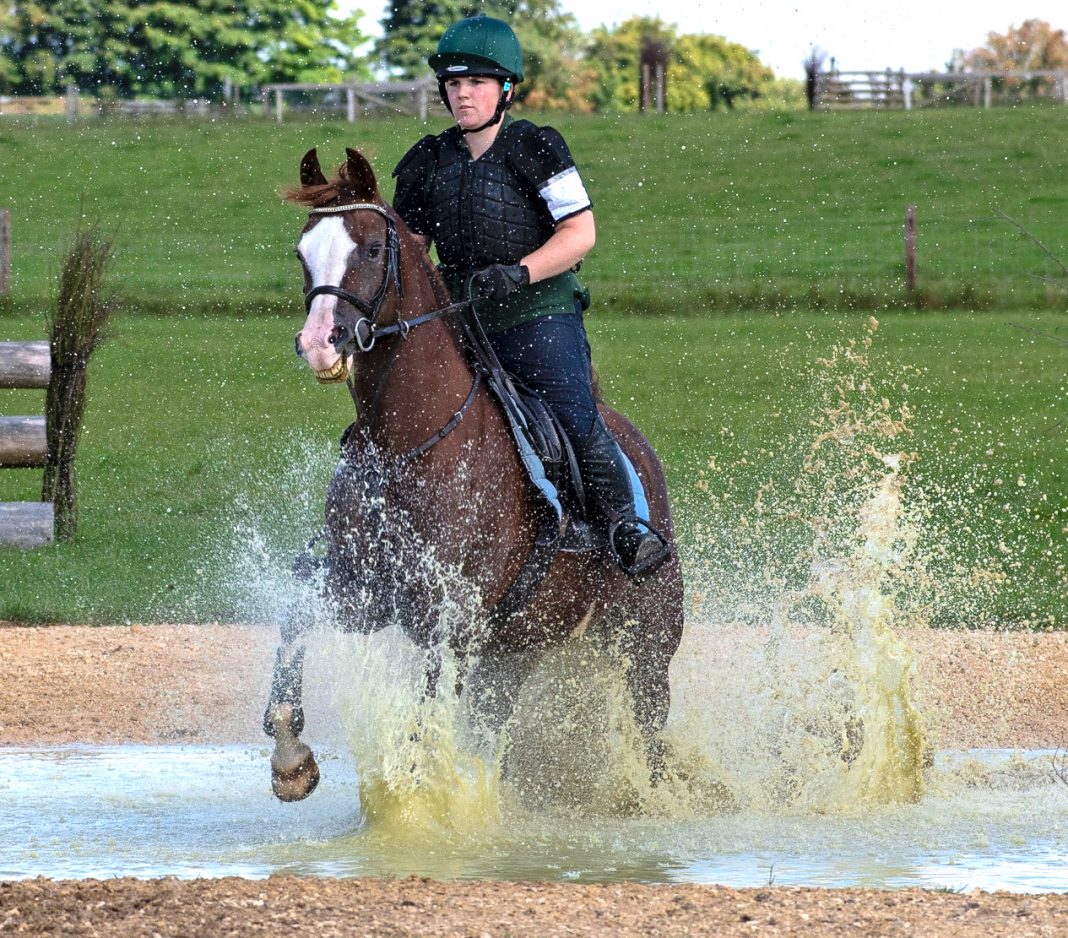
x: 551, y: 356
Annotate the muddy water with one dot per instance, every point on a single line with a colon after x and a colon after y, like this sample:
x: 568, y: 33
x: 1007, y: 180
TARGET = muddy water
x: 798, y: 745
x: 990, y: 820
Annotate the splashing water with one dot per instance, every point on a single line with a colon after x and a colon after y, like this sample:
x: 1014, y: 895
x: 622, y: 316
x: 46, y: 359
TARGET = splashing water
x: 810, y: 662
x: 795, y: 693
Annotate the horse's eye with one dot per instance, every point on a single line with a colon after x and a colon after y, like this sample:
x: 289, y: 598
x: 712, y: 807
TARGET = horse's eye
x: 374, y: 250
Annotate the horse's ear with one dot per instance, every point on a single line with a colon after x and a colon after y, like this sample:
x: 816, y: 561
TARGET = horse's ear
x: 311, y: 174
x: 361, y: 177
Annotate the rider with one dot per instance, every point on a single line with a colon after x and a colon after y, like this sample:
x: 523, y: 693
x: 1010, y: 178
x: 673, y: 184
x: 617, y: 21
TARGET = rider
x: 504, y: 203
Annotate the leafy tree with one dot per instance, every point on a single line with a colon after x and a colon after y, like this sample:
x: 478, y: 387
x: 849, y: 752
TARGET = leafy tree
x: 1033, y: 46
x: 412, y: 29
x: 616, y: 58
x: 703, y: 71
x: 553, y: 47
x: 552, y: 43
x: 175, y: 48
x: 709, y: 72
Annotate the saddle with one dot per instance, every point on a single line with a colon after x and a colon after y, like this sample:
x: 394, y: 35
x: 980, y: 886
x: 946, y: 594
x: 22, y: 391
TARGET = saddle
x: 544, y: 448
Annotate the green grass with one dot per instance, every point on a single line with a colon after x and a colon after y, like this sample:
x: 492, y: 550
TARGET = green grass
x: 207, y: 444
x: 695, y: 212
x: 208, y: 447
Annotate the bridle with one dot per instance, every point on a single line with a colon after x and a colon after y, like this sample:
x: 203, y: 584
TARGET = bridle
x: 365, y: 331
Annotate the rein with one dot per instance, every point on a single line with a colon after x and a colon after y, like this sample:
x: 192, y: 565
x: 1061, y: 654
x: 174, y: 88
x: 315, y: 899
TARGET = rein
x: 366, y: 330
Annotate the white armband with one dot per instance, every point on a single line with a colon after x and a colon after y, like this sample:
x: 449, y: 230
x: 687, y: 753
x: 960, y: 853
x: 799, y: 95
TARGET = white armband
x: 565, y: 194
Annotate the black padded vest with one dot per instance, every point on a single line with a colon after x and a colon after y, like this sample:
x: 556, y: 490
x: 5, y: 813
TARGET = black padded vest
x: 482, y: 211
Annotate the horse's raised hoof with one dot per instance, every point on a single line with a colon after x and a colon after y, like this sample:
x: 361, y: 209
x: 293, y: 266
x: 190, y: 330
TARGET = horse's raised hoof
x: 298, y: 783
x: 294, y: 772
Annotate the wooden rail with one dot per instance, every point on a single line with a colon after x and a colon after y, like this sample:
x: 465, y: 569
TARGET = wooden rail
x: 26, y: 524
x: 836, y: 90
x: 23, y: 443
x: 25, y: 364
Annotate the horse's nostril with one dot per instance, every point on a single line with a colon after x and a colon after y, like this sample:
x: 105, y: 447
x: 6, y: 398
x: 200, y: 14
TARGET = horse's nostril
x: 296, y: 345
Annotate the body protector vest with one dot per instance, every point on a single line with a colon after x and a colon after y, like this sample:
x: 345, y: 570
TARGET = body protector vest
x: 482, y: 211
x: 489, y: 210
x: 494, y: 210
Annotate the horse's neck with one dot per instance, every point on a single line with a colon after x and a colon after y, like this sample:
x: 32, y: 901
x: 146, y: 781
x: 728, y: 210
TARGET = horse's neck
x: 413, y: 387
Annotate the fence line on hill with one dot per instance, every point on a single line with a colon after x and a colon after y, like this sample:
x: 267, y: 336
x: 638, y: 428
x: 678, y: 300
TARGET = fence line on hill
x: 900, y: 90
x: 416, y: 98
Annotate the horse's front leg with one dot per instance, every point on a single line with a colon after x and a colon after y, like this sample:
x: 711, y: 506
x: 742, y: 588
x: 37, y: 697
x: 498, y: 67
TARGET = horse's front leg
x: 650, y: 637
x: 294, y: 772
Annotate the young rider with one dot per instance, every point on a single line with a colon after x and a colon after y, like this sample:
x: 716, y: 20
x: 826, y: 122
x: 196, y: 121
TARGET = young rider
x: 503, y: 201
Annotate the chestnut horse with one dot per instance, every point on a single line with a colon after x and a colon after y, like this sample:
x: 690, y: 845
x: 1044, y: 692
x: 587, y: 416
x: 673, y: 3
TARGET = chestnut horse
x: 430, y: 470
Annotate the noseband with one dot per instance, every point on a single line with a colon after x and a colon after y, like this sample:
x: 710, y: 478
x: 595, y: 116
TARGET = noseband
x: 365, y: 330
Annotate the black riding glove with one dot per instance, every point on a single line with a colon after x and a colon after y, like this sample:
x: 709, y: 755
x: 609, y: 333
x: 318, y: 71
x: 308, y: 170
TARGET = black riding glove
x: 498, y: 280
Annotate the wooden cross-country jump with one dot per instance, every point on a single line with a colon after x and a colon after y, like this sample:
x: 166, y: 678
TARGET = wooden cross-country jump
x: 23, y: 444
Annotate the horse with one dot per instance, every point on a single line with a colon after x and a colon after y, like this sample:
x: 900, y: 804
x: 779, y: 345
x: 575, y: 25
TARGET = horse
x: 430, y: 468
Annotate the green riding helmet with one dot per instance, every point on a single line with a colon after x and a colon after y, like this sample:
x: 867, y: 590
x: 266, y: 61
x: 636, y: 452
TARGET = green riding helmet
x: 478, y: 45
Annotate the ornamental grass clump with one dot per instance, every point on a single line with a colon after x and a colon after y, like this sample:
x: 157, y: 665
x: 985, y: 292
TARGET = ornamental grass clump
x: 78, y: 326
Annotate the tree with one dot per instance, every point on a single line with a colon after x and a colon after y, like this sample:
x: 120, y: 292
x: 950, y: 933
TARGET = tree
x: 411, y: 29
x: 615, y: 55
x: 1033, y: 46
x: 704, y: 72
x: 551, y: 41
x: 710, y: 72
x: 176, y: 48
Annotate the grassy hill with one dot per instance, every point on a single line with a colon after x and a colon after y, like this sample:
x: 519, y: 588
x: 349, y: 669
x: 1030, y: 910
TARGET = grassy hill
x: 695, y: 212
x: 208, y: 446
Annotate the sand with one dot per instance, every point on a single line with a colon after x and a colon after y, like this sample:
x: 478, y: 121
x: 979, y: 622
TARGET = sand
x: 205, y: 684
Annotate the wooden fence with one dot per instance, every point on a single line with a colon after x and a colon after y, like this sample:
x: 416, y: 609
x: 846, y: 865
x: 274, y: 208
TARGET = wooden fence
x: 839, y: 91
x: 23, y: 443
x: 407, y: 97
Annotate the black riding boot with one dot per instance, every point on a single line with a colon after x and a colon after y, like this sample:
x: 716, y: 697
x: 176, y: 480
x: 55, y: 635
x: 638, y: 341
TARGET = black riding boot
x: 638, y: 548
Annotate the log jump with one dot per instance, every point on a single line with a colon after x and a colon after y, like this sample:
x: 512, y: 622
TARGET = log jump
x: 23, y: 444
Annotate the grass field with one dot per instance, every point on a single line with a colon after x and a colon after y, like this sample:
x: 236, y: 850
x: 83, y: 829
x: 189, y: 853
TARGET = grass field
x: 208, y: 446
x: 695, y: 212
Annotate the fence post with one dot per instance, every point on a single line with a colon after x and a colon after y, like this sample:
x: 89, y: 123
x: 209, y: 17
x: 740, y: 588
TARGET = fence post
x: 988, y: 85
x: 421, y: 102
x: 72, y: 103
x: 350, y: 104
x: 278, y: 105
x: 5, y: 250
x: 910, y: 248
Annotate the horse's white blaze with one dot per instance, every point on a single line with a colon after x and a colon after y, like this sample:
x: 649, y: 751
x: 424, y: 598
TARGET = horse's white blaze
x: 325, y: 250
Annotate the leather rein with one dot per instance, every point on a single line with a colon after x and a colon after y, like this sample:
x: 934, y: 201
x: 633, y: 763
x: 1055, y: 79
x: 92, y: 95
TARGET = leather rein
x: 366, y: 331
